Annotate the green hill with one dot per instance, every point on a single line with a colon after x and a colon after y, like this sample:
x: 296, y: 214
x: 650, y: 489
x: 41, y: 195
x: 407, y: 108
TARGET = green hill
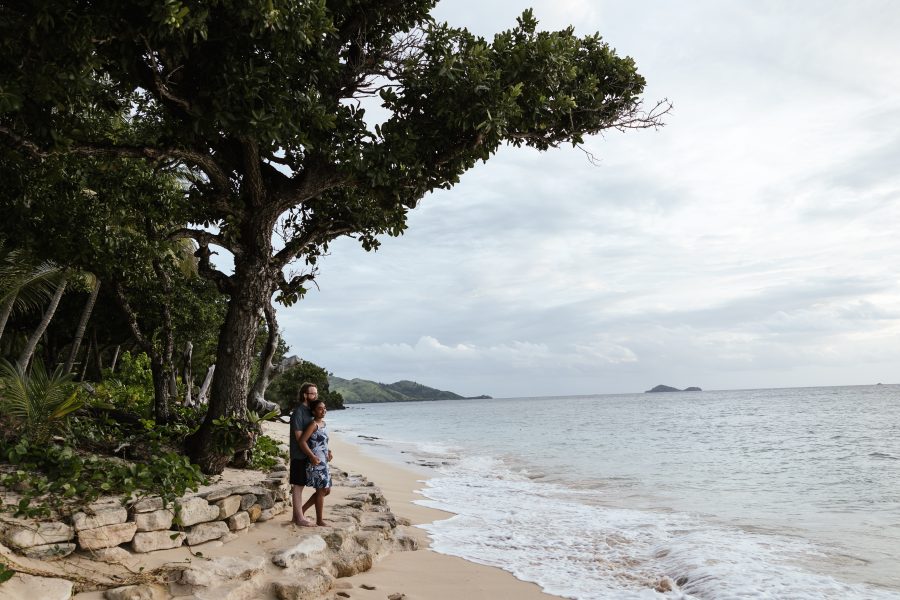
x: 355, y: 391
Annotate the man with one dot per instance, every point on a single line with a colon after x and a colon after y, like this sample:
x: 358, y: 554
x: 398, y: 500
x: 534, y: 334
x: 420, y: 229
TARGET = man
x: 301, y: 417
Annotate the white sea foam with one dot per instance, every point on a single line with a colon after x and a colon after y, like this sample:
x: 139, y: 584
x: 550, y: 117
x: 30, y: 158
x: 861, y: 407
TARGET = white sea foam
x: 544, y: 534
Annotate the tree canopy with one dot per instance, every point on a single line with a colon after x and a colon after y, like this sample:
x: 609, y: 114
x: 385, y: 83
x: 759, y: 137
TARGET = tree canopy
x: 257, y: 109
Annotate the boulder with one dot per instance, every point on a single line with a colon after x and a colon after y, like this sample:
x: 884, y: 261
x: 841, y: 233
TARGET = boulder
x: 228, y: 506
x: 238, y: 521
x: 248, y: 500
x: 150, y: 541
x: 204, y: 532
x: 154, y: 520
x: 195, y: 510
x: 309, y: 583
x: 254, y: 512
x: 100, y: 518
x: 106, y: 536
x: 115, y: 556
x: 309, y: 547
x: 347, y: 564
x: 147, y: 504
x: 214, y: 573
x: 266, y: 515
x: 216, y: 495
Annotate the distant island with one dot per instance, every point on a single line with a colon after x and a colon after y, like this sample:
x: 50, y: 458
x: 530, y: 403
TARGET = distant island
x: 668, y: 388
x: 356, y: 391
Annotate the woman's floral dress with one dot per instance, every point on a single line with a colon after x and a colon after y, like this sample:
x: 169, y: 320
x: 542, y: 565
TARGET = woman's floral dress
x: 319, y: 476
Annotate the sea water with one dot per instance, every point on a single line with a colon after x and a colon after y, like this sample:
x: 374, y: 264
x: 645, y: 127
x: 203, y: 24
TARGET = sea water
x: 777, y: 494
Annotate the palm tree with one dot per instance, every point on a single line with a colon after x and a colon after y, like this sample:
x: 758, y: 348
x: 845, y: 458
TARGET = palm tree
x: 25, y: 284
x: 94, y: 282
x: 38, y: 333
x: 40, y: 399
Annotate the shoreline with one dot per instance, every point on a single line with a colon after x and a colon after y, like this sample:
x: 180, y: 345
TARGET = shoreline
x: 424, y: 573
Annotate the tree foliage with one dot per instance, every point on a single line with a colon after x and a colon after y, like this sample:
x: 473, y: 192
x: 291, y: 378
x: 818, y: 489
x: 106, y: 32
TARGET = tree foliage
x: 257, y: 108
x: 285, y: 387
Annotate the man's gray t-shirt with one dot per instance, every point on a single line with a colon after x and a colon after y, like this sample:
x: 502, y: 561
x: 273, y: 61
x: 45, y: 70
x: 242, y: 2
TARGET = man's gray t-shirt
x: 300, y: 419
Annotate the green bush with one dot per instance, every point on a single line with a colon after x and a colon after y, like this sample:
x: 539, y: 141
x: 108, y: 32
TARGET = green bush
x: 265, y: 452
x: 41, y: 401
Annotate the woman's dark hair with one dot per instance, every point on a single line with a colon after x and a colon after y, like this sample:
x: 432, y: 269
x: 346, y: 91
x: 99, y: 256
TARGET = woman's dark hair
x: 315, y: 404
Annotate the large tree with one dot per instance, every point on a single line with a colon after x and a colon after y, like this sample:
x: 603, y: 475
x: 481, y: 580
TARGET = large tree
x: 261, y: 106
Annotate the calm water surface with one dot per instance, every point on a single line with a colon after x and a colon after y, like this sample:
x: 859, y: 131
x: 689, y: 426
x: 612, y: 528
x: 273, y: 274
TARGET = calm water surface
x: 782, y: 493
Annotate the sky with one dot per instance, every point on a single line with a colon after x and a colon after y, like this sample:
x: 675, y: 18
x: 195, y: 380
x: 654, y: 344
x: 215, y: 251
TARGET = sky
x: 752, y: 242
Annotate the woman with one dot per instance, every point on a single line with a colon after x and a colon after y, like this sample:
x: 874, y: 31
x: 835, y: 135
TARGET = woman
x: 314, y: 444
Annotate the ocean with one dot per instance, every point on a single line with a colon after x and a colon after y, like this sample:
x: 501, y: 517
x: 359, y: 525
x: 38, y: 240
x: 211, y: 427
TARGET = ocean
x: 772, y: 493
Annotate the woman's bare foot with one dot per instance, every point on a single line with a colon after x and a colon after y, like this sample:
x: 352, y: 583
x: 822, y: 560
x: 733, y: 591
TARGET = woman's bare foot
x: 323, y: 523
x: 301, y: 523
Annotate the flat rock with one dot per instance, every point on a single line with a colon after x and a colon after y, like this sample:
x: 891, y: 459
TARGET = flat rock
x: 147, y: 504
x: 204, y: 532
x: 215, y: 572
x: 100, y: 518
x: 106, y: 536
x: 216, y: 495
x: 247, y: 500
x: 50, y: 551
x: 29, y: 587
x: 150, y: 541
x: 115, y: 556
x: 21, y: 534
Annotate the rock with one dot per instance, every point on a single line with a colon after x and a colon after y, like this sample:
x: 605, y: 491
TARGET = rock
x: 106, y: 536
x: 383, y: 521
x: 254, y: 512
x: 115, y: 556
x: 214, y: 573
x: 347, y: 564
x: 692, y: 389
x: 235, y: 590
x: 366, y: 586
x: 216, y: 495
x: 150, y: 541
x: 278, y: 507
x: 248, y: 500
x: 228, y: 506
x: 406, y: 542
x: 195, y: 510
x: 397, y: 597
x: 265, y: 500
x: 50, y: 551
x: 308, y: 547
x: 266, y: 515
x: 22, y: 587
x: 309, y: 583
x: 22, y: 534
x: 155, y: 520
x: 111, y: 516
x: 373, y: 541
x: 238, y: 521
x: 131, y: 592
x: 204, y: 532
x: 343, y: 594
x: 147, y: 504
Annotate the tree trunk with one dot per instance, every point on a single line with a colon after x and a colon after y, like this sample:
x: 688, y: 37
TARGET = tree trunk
x: 203, y: 395
x: 160, y: 391
x: 254, y: 284
x: 5, y: 311
x: 32, y: 343
x: 186, y: 375
x: 82, y: 326
x: 115, y: 359
x: 256, y: 401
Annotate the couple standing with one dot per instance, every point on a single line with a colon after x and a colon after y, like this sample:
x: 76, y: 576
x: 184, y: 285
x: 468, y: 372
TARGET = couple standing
x: 309, y: 455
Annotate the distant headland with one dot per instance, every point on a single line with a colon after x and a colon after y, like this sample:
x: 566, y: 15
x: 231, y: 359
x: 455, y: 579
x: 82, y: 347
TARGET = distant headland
x: 362, y: 390
x: 668, y: 388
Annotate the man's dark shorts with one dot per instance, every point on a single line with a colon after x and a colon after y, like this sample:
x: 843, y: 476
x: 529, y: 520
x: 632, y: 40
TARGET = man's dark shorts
x: 298, y: 471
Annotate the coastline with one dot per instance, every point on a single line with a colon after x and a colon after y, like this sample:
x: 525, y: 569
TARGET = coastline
x: 423, y: 574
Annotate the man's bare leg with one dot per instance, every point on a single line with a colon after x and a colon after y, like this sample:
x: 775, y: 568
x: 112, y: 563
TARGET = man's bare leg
x: 297, y: 501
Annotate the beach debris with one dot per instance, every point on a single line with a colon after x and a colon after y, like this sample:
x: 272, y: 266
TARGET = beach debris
x: 343, y: 594
x: 366, y: 586
x: 397, y: 596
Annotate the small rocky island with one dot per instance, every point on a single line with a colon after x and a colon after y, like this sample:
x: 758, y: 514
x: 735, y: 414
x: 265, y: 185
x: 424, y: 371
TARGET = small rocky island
x: 668, y: 388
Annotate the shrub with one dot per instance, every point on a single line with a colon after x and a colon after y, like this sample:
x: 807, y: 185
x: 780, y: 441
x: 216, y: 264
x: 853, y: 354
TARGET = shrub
x: 39, y: 399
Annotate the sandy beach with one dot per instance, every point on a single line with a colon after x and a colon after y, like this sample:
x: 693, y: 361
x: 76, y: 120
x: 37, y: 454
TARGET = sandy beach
x: 423, y: 574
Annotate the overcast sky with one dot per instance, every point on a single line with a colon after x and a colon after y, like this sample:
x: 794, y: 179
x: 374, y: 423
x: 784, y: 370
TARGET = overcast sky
x: 752, y: 242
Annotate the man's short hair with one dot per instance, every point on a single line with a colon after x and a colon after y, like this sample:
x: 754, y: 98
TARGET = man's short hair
x: 305, y: 387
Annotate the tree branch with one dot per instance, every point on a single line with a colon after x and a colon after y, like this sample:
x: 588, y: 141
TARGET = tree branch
x: 224, y: 283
